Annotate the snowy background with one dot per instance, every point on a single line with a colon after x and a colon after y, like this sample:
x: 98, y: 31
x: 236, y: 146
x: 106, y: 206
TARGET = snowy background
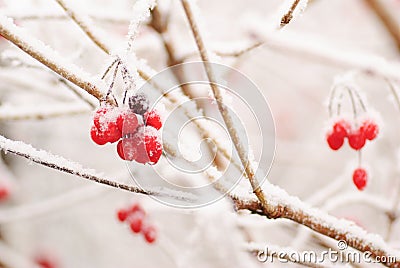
x: 73, y: 221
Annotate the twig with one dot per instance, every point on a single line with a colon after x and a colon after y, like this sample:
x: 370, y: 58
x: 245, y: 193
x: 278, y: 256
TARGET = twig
x: 59, y: 163
x: 390, y: 23
x: 83, y: 24
x: 247, y: 165
x: 47, y: 56
x: 288, y: 16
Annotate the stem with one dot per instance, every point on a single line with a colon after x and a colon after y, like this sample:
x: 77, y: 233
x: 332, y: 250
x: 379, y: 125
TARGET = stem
x: 224, y: 112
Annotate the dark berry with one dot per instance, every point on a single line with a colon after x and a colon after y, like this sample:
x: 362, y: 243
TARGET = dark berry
x: 138, y: 103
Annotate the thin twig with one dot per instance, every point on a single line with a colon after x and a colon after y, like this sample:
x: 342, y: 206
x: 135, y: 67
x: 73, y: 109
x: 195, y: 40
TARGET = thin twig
x: 247, y: 165
x: 83, y: 25
x: 51, y: 59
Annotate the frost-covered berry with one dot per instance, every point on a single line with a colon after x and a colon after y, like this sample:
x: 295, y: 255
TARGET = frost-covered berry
x: 4, y: 193
x: 152, y: 118
x: 149, y: 148
x: 138, y: 103
x: 150, y: 234
x: 129, y: 123
x: 360, y: 178
x: 105, y: 127
x: 122, y: 215
x: 370, y: 129
x: 97, y: 136
x: 126, y: 149
x: 334, y: 140
x: 356, y: 139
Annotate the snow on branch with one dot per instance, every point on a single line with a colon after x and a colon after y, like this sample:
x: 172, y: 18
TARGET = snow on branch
x: 141, y: 11
x: 62, y: 164
x: 47, y: 56
x: 292, y: 208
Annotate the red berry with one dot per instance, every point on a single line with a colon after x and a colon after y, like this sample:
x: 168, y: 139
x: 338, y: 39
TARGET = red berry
x: 98, y: 137
x: 122, y: 215
x: 341, y: 128
x: 150, y: 234
x: 335, y: 140
x: 153, y: 148
x: 136, y: 223
x: 357, y: 139
x: 152, y: 118
x: 360, y: 178
x: 4, y: 193
x: 370, y: 129
x: 126, y: 149
x: 113, y: 134
x: 99, y: 117
x: 130, y: 124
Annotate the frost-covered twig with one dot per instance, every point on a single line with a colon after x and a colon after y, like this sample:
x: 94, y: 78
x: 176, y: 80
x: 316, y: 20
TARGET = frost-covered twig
x: 296, y: 7
x: 319, y: 221
x: 83, y: 24
x: 244, y: 158
x: 59, y: 163
x: 390, y: 23
x: 45, y: 55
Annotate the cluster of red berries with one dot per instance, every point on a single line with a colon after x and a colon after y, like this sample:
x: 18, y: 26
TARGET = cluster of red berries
x: 136, y: 134
x: 135, y: 217
x: 357, y: 137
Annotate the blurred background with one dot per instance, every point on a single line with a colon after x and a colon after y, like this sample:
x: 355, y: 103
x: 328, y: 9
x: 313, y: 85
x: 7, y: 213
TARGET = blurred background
x: 51, y: 215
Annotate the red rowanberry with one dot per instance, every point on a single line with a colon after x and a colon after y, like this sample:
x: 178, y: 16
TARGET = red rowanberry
x: 150, y: 234
x: 360, y: 178
x: 152, y: 118
x: 356, y: 139
x: 370, y: 129
x: 122, y: 215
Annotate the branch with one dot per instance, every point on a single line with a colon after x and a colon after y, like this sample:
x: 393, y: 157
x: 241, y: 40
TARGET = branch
x: 296, y: 8
x: 319, y: 221
x: 61, y: 164
x: 225, y: 114
x: 45, y: 55
x: 390, y: 23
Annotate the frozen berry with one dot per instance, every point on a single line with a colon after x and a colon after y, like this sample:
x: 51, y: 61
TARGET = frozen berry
x: 138, y: 103
x: 136, y: 223
x: 356, y: 139
x: 152, y: 118
x: 153, y: 148
x: 126, y: 149
x: 360, y: 178
x: 148, y: 145
x: 335, y: 141
x: 4, y: 193
x: 150, y: 234
x: 130, y: 123
x: 341, y: 128
x: 122, y: 215
x: 99, y: 117
x: 113, y: 134
x: 136, y: 208
x: 97, y: 136
x: 370, y: 129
